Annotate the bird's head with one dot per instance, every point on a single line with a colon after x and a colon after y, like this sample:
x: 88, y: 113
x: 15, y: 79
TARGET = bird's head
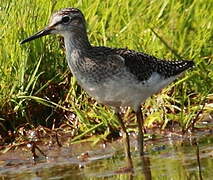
x: 62, y: 22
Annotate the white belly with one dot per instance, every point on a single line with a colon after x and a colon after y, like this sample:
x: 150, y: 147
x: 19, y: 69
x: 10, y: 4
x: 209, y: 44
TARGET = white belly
x: 125, y: 92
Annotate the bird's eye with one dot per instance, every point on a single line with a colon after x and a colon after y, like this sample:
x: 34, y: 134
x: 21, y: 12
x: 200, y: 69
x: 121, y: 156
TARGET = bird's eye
x: 65, y: 19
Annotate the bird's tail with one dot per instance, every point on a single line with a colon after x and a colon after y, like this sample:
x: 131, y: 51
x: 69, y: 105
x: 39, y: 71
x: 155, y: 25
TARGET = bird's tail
x: 173, y: 68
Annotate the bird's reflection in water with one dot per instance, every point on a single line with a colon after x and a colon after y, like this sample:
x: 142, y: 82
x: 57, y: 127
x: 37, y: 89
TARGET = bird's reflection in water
x: 145, y: 165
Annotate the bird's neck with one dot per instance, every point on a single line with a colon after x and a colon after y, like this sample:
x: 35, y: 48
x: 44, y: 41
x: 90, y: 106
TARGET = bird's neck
x: 77, y: 46
x: 76, y: 40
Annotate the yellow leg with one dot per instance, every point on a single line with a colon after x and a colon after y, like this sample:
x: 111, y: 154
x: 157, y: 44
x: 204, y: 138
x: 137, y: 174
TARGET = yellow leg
x: 140, y: 123
x: 126, y: 141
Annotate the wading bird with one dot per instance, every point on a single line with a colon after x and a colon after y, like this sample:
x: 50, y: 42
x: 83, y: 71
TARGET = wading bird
x: 113, y: 76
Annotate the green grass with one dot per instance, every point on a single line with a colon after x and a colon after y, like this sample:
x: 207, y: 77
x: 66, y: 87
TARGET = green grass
x: 168, y: 29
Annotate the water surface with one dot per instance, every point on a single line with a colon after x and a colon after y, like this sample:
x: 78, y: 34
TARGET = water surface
x: 173, y: 157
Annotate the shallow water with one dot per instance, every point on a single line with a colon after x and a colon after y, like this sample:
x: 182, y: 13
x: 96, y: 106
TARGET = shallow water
x: 173, y: 157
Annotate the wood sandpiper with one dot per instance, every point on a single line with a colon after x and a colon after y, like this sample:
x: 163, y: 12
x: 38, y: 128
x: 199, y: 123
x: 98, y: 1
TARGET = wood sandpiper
x: 113, y: 76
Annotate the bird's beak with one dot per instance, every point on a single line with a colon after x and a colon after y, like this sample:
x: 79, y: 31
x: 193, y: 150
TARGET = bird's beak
x: 39, y: 34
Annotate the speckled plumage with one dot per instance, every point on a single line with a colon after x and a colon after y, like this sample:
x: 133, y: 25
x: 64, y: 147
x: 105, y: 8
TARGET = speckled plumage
x: 140, y: 64
x: 113, y: 76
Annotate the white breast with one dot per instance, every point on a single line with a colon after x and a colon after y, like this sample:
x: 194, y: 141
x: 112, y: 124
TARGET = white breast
x: 127, y: 91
